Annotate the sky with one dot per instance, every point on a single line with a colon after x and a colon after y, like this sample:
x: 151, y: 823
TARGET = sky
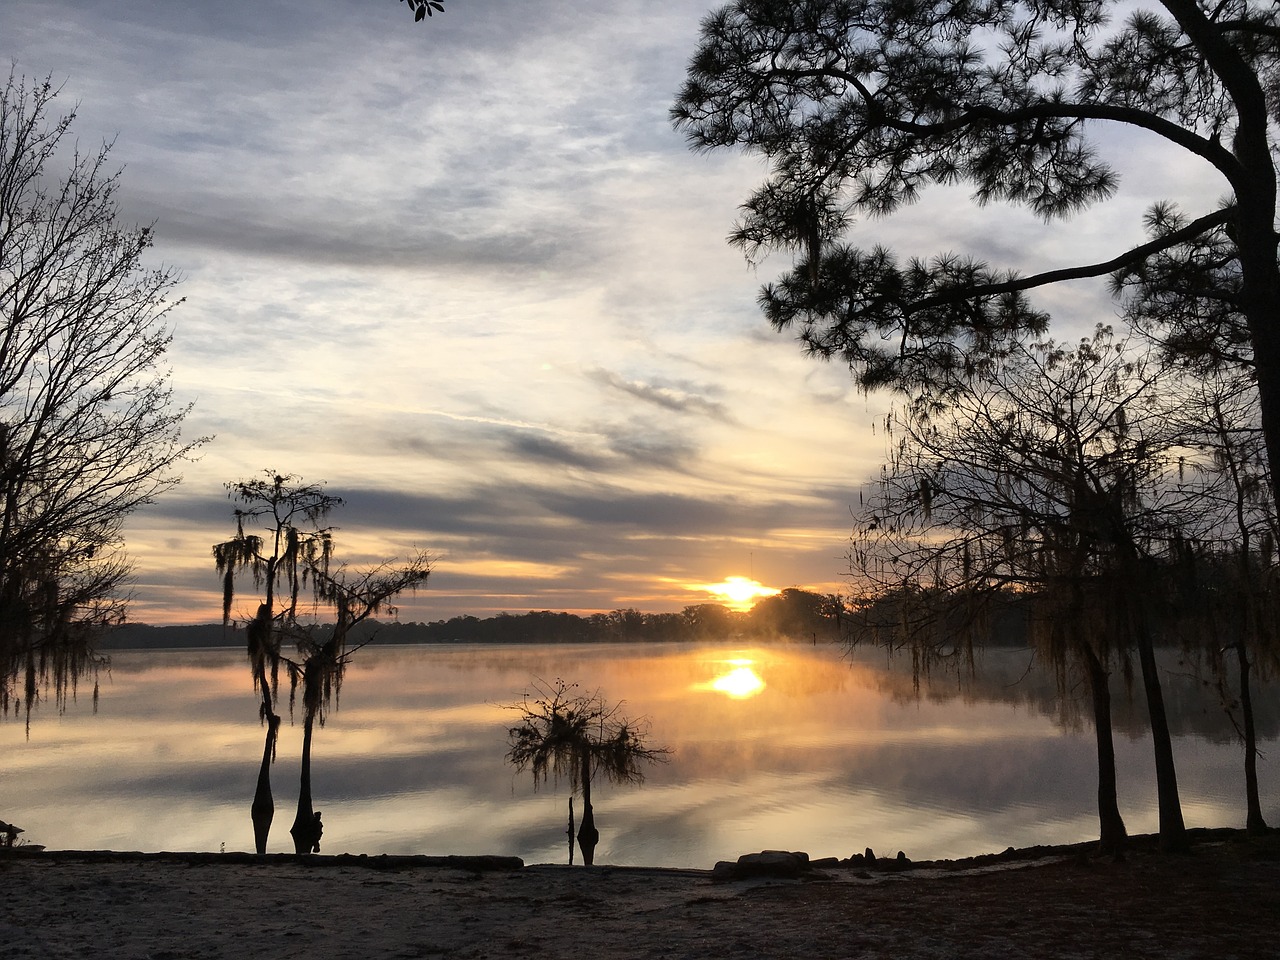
x: 465, y: 272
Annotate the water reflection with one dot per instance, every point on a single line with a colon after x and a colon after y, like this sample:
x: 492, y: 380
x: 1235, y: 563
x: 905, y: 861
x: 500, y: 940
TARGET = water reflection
x: 740, y: 682
x: 827, y: 755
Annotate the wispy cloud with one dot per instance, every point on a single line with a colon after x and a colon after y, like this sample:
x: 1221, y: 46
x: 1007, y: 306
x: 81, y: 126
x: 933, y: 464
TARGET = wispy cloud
x: 671, y: 396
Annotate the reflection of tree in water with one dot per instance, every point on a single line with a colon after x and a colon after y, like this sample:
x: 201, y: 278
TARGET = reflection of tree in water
x: 1015, y: 676
x: 562, y: 734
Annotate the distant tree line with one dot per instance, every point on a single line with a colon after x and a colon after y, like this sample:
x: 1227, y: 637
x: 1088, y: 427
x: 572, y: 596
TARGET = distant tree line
x: 793, y: 613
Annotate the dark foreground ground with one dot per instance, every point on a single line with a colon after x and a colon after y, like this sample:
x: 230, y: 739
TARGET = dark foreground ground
x: 1220, y: 901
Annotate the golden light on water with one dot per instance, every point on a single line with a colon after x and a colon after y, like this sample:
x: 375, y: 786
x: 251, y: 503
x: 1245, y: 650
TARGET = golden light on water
x: 736, y: 679
x: 739, y: 593
x: 168, y: 760
x: 739, y: 683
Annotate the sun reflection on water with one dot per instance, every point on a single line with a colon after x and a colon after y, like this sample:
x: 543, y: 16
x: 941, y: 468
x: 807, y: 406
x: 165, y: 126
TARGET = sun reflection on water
x: 739, y: 683
x: 782, y: 746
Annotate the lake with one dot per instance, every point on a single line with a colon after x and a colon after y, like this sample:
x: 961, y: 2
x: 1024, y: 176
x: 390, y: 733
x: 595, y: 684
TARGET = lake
x: 781, y: 746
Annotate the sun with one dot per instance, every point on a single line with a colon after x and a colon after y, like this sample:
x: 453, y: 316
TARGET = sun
x: 740, y: 593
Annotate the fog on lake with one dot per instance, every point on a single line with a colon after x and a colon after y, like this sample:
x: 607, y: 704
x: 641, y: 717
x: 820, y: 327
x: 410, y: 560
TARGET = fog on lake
x: 782, y: 746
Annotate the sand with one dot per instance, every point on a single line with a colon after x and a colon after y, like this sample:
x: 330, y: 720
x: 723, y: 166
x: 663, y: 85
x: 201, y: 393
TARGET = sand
x: 1220, y: 901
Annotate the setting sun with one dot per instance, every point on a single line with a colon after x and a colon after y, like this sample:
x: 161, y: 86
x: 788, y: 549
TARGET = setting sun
x: 738, y: 592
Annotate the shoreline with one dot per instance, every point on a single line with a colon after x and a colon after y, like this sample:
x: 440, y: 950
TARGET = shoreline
x: 1055, y: 903
x: 482, y: 863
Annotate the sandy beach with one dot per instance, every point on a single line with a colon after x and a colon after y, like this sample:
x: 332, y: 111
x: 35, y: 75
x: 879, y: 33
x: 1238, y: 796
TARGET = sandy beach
x: 1222, y: 901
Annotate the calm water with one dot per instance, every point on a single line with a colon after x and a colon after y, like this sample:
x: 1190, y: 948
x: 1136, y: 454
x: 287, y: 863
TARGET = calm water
x: 785, y: 746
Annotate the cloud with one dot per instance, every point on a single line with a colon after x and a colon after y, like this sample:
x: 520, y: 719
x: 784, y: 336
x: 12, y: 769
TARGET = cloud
x: 355, y: 239
x: 676, y: 397
x: 466, y: 272
x: 641, y: 445
x: 555, y: 452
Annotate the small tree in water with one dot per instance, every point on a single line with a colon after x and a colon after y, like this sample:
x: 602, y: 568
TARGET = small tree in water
x: 563, y: 734
x: 279, y: 539
x: 323, y: 658
x: 281, y: 544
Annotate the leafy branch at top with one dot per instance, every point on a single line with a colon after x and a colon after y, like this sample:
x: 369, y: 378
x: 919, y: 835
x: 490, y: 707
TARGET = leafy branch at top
x: 424, y: 8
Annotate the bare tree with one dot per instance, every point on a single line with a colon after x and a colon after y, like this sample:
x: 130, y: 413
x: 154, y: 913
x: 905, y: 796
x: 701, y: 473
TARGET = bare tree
x: 1044, y: 484
x: 1185, y: 300
x: 576, y: 736
x: 89, y: 430
x: 1225, y: 565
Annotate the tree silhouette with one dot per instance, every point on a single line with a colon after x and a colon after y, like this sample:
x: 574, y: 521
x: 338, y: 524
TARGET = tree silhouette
x: 1185, y: 300
x: 282, y: 547
x: 424, y: 8
x: 562, y: 734
x: 88, y: 428
x: 323, y: 656
x: 1048, y: 483
x: 858, y: 105
x: 279, y: 559
x: 1225, y: 565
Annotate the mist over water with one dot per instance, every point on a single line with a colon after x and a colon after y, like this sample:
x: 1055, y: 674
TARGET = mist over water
x: 782, y: 746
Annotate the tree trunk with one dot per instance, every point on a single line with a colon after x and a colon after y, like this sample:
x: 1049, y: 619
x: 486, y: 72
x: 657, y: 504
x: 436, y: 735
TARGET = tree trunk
x: 259, y: 641
x: 1249, y: 631
x: 1254, y: 823
x: 588, y: 835
x: 1173, y: 832
x: 1253, y: 180
x: 1112, y: 835
x: 263, y: 809
x: 570, y: 831
x: 1262, y: 319
x: 306, y: 827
